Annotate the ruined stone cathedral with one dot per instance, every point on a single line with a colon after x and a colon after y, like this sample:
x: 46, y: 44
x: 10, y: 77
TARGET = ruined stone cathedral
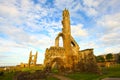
x: 69, y: 57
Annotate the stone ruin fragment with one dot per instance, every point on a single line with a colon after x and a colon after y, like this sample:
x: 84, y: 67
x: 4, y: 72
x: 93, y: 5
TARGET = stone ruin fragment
x: 69, y: 57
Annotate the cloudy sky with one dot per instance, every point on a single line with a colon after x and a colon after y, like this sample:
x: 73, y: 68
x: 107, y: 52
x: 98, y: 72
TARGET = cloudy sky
x: 27, y: 25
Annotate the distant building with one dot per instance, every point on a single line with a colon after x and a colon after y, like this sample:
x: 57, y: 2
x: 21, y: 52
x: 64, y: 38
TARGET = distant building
x: 31, y: 62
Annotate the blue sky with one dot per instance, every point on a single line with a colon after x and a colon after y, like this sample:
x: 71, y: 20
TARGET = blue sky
x: 27, y: 25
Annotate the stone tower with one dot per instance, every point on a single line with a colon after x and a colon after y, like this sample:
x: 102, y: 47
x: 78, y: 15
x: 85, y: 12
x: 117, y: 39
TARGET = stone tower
x: 66, y: 32
x: 32, y: 59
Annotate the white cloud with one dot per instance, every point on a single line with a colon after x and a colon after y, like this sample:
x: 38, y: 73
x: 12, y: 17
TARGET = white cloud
x: 24, y: 28
x: 89, y: 44
x: 64, y: 4
x: 110, y: 39
x: 15, y: 33
x: 20, y: 52
x: 111, y: 27
x: 40, y: 41
x: 91, y: 3
x: 9, y: 46
x: 12, y: 52
x: 110, y: 30
x: 114, y: 49
x: 100, y: 7
x: 72, y: 5
x: 110, y: 22
x: 78, y: 30
x: 91, y: 12
x: 108, y: 7
x: 8, y: 10
x: 42, y: 1
x: 90, y: 7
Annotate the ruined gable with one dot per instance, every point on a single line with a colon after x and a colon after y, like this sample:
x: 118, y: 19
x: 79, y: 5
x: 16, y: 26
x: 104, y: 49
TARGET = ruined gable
x: 69, y: 57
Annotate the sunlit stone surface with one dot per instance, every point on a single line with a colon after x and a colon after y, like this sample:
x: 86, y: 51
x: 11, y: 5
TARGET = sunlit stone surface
x: 69, y: 57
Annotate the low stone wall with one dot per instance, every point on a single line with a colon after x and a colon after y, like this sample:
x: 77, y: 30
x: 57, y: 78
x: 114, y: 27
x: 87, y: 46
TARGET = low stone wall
x: 87, y: 61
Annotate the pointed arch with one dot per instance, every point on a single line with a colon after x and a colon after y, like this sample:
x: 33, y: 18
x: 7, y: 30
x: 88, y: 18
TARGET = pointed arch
x: 57, y: 39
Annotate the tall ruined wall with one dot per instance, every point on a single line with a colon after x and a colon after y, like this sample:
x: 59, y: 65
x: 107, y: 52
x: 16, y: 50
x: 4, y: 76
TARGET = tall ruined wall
x: 32, y: 59
x: 69, y: 56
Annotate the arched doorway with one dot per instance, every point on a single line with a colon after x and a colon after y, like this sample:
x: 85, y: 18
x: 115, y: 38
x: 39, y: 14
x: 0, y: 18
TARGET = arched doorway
x: 57, y: 64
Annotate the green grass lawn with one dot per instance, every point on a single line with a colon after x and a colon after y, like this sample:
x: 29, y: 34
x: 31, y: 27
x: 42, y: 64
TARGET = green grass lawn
x: 83, y: 76
x: 7, y: 76
x: 113, y: 71
x: 106, y: 72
